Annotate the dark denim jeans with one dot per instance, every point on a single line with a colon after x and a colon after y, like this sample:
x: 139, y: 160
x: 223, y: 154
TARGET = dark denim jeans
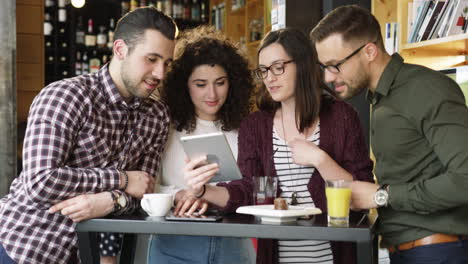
x: 444, y: 253
x: 4, y: 258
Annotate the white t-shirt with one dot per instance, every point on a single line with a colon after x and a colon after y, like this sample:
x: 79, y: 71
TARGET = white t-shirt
x: 173, y: 160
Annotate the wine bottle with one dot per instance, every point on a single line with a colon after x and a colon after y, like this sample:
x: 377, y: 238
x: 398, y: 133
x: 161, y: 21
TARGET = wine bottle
x: 203, y: 11
x: 175, y: 9
x: 168, y: 7
x: 80, y: 33
x: 62, y: 40
x: 133, y: 5
x: 102, y: 37
x: 78, y: 64
x: 85, y: 63
x: 195, y: 12
x: 48, y: 27
x: 125, y: 6
x: 48, y: 42
x: 62, y: 12
x: 105, y: 59
x: 110, y: 34
x: 186, y: 10
x: 49, y: 3
x: 94, y: 62
x: 160, y: 5
x: 90, y: 37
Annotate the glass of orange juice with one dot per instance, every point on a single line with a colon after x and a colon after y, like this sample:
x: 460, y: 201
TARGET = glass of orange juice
x: 338, y: 194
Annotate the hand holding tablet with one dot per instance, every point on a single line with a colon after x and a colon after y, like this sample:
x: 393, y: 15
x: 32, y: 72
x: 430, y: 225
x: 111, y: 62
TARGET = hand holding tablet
x: 217, y: 150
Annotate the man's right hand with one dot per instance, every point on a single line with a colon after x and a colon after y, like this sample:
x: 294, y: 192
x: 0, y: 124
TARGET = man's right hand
x: 139, y: 183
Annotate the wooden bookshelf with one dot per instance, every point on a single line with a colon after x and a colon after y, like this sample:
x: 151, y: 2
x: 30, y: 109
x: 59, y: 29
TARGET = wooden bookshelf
x: 237, y: 23
x: 438, y: 53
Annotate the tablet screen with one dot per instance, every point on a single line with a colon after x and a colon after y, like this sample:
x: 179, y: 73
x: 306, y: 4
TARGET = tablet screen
x: 216, y: 147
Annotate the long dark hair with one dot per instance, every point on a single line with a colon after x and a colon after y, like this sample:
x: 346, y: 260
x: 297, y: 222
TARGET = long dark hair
x: 200, y: 46
x: 309, y: 78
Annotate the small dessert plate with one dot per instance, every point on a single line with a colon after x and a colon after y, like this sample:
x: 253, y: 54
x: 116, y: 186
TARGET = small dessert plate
x: 269, y: 214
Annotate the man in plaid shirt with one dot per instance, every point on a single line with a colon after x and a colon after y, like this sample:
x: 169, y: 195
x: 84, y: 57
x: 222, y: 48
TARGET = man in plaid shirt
x: 93, y: 145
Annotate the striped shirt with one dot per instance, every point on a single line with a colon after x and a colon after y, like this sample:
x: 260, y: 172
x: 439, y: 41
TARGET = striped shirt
x: 80, y: 133
x: 294, y: 178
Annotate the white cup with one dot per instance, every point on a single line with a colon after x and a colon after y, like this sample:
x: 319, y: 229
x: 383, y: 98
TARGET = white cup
x: 157, y: 204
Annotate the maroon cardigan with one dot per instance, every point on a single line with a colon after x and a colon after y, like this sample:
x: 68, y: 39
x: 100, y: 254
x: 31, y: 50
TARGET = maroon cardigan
x: 341, y: 136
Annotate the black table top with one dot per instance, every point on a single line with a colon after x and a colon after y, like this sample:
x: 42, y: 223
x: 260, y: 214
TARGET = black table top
x: 235, y: 225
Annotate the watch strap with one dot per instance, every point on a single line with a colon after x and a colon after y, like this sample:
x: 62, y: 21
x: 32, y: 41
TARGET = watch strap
x: 383, y: 187
x: 115, y: 198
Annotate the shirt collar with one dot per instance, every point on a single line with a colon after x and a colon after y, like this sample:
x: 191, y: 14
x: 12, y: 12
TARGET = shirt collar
x: 385, y: 82
x: 112, y: 93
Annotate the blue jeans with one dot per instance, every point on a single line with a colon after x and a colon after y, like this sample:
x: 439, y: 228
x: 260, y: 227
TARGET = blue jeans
x: 4, y: 258
x: 173, y: 249
x: 443, y: 253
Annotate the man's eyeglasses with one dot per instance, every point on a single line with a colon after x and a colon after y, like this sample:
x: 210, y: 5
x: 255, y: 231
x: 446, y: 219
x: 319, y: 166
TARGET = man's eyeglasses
x: 276, y: 68
x: 336, y: 68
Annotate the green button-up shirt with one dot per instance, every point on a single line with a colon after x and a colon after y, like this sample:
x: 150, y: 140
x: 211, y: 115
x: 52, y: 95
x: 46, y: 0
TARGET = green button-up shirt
x: 419, y: 135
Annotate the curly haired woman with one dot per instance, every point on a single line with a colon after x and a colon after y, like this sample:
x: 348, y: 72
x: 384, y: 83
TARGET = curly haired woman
x: 207, y: 89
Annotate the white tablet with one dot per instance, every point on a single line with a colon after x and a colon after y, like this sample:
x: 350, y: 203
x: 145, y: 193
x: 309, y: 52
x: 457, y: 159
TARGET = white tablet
x: 216, y: 147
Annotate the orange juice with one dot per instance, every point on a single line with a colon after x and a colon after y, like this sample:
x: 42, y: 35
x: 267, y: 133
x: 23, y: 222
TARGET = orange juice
x: 338, y: 200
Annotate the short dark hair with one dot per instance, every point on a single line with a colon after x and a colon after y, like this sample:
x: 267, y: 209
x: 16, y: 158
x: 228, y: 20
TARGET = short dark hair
x: 309, y: 78
x: 200, y: 46
x: 354, y: 23
x: 131, y: 27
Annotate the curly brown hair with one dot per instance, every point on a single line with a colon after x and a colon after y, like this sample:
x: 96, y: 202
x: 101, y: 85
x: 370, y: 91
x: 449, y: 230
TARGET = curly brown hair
x: 199, y: 46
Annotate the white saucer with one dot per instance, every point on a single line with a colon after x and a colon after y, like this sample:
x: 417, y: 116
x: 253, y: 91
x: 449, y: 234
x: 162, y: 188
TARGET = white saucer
x: 269, y: 214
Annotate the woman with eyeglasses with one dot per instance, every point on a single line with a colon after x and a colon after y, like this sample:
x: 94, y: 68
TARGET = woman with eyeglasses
x: 303, y: 135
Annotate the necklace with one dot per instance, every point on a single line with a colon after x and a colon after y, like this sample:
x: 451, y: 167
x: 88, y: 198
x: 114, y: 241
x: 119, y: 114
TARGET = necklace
x: 294, y: 193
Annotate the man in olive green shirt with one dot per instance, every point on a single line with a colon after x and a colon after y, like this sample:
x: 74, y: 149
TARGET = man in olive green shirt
x: 419, y: 136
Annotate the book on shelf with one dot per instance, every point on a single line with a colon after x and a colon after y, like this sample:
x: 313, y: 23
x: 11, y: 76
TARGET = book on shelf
x: 431, y: 19
x: 391, y: 37
x: 435, y: 19
x: 440, y: 20
x: 458, y: 21
x: 448, y: 14
x: 420, y: 7
x: 426, y: 19
x: 410, y: 20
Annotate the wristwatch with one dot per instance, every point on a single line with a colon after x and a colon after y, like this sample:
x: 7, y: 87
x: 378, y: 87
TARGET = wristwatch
x: 381, y: 196
x: 119, y: 201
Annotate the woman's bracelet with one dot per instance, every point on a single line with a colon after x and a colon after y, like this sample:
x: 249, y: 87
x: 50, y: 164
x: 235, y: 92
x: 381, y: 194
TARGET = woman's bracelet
x: 198, y: 196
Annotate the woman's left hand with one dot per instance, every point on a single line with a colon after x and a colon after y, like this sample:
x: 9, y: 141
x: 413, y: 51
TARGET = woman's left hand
x: 305, y: 153
x: 187, y: 204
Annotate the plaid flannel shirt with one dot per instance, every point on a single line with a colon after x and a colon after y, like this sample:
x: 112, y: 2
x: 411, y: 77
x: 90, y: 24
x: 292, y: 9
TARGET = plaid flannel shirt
x: 80, y: 133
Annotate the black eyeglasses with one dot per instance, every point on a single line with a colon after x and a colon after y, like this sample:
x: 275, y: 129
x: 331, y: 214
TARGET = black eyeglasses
x: 336, y: 68
x: 276, y: 68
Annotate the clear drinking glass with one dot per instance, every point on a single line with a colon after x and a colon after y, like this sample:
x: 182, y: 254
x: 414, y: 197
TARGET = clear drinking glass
x: 338, y: 200
x: 265, y: 189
